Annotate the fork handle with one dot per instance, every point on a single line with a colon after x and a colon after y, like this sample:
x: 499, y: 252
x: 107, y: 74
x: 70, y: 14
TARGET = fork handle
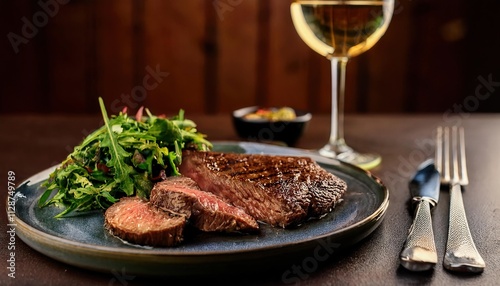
x: 419, y: 250
x: 461, y: 253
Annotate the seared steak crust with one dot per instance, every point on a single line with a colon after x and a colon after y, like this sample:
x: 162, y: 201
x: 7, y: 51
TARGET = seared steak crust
x: 279, y: 190
x: 137, y: 221
x: 204, y: 210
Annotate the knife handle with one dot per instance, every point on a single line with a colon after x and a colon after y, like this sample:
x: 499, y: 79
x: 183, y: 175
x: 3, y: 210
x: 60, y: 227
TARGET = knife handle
x: 419, y: 251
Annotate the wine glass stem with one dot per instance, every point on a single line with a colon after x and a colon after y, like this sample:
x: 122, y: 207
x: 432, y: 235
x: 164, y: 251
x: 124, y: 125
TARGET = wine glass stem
x: 336, y: 144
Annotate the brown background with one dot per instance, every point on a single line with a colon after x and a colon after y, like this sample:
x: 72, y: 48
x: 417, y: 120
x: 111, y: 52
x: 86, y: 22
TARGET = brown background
x: 224, y: 54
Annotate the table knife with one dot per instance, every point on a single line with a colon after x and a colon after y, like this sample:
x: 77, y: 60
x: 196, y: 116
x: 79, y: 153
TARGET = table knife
x: 419, y: 250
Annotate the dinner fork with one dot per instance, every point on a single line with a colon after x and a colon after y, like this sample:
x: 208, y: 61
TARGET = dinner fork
x: 461, y: 253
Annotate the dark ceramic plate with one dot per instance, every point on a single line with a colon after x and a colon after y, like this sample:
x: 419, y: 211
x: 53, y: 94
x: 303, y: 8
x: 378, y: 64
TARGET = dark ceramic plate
x: 82, y: 241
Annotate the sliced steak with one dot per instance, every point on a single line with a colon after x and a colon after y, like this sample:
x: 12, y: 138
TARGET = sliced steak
x: 279, y: 190
x: 204, y: 210
x: 137, y: 221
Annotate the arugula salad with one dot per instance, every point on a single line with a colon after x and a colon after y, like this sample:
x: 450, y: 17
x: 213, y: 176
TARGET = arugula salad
x: 124, y: 157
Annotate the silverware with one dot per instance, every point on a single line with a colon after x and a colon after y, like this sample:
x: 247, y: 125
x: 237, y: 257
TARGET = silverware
x: 419, y: 250
x: 461, y: 253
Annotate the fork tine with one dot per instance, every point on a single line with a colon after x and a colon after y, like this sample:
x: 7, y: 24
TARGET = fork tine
x: 464, y: 178
x: 446, y: 155
x: 439, y: 150
x: 454, y: 149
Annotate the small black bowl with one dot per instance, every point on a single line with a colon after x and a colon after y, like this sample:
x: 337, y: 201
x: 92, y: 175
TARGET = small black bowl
x: 263, y: 130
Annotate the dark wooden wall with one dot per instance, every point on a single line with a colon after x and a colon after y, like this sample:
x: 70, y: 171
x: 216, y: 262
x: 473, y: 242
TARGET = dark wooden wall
x: 215, y: 56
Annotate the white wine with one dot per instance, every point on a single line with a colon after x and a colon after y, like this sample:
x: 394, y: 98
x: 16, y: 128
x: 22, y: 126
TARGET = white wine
x: 338, y: 30
x: 341, y: 28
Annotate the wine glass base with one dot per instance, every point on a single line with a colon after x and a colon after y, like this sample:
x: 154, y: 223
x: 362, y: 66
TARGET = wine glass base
x: 365, y: 161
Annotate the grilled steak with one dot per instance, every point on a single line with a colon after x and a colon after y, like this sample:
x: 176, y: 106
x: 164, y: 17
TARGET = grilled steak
x: 204, y: 210
x: 279, y: 190
x: 138, y: 221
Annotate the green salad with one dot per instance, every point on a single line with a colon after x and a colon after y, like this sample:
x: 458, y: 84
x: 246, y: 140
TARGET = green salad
x: 124, y: 157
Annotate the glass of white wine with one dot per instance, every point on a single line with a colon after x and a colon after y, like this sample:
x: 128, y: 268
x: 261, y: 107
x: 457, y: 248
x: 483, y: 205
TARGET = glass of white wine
x: 339, y: 30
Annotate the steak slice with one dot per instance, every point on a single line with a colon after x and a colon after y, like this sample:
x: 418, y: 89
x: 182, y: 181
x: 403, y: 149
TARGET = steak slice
x: 204, y: 210
x: 278, y: 190
x: 137, y: 221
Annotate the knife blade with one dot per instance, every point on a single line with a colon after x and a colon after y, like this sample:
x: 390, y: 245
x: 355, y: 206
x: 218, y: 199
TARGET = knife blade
x: 419, y: 250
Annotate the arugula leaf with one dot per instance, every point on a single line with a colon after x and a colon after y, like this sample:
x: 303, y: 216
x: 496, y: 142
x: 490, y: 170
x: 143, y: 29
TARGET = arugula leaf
x: 166, y: 131
x: 117, y: 153
x: 121, y: 158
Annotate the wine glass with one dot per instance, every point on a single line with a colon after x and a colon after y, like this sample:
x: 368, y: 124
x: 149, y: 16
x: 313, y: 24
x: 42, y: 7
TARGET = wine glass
x: 340, y: 30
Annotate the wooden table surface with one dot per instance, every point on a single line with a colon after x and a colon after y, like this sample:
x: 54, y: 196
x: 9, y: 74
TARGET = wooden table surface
x: 31, y: 143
